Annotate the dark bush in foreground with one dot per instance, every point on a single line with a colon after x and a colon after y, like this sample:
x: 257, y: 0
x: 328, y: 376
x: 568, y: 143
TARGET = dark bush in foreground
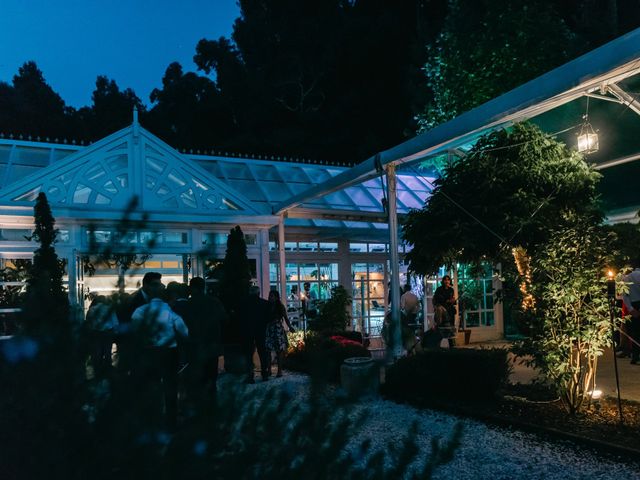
x: 322, y: 356
x: 56, y: 424
x: 456, y: 374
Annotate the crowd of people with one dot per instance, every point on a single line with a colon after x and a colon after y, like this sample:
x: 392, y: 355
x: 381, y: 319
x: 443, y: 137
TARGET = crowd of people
x: 177, y: 332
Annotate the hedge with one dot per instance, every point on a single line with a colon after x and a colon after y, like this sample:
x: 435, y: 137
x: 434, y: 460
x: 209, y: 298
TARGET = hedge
x: 448, y: 375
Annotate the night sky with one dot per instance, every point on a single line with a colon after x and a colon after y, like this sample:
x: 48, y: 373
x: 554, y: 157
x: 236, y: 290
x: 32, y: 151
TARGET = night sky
x: 130, y: 41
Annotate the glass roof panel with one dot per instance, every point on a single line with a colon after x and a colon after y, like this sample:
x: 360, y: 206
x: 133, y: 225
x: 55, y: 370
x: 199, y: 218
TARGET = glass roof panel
x: 32, y: 156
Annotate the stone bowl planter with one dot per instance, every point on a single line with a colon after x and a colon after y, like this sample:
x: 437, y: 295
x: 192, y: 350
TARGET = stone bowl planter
x: 360, y: 376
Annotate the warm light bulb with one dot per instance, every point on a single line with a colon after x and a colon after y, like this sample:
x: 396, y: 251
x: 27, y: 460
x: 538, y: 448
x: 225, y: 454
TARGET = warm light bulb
x: 610, y: 274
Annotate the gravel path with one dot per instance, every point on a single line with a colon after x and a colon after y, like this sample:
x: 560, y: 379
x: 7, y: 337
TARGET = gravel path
x: 486, y: 452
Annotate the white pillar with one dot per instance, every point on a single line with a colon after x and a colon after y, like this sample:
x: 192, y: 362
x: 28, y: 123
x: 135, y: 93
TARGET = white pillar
x: 457, y: 319
x: 265, y: 284
x: 281, y: 258
x: 392, y: 212
x: 73, y: 278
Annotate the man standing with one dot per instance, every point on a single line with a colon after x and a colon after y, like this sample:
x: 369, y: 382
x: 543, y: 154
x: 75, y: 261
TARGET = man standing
x: 409, y: 304
x: 150, y: 281
x: 632, y: 303
x: 206, y: 317
x: 257, y: 317
x: 158, y: 326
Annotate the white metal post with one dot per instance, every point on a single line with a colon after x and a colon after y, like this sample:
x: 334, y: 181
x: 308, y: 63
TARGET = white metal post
x: 281, y: 257
x: 392, y: 212
x: 457, y: 319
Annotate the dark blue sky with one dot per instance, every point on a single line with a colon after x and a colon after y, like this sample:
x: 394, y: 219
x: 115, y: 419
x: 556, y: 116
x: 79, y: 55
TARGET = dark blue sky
x: 131, y: 41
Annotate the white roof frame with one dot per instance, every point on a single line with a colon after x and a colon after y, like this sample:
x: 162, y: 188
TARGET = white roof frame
x: 101, y: 179
x: 594, y: 71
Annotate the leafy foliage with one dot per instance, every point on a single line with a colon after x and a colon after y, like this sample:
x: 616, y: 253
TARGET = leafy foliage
x: 570, y: 327
x: 467, y: 67
x: 46, y: 305
x: 322, y: 356
x: 311, y: 76
x: 11, y: 295
x: 250, y: 432
x: 236, y: 280
x: 512, y: 188
x: 334, y: 313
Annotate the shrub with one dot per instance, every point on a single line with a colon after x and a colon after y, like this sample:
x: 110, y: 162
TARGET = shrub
x: 450, y: 374
x: 334, y: 314
x: 322, y: 356
x: 570, y: 325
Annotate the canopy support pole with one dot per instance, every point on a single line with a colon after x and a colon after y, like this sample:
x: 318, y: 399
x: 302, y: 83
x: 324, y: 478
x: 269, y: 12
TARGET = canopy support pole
x: 394, y: 351
x: 281, y: 258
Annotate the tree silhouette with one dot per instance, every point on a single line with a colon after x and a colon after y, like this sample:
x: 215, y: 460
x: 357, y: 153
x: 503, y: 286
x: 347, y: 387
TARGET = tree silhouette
x: 236, y: 281
x: 111, y: 110
x: 46, y: 304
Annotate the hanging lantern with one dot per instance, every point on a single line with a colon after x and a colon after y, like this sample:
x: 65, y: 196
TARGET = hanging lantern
x: 587, y: 138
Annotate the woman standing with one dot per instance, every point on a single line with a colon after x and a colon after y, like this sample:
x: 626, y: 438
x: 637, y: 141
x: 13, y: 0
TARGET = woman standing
x: 276, y: 337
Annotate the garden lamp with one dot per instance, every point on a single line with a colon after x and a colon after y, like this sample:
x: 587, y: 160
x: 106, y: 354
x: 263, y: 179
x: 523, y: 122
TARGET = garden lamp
x: 611, y: 285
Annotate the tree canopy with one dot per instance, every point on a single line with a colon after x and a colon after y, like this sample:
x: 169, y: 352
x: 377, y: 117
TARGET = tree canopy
x: 467, y: 66
x: 334, y: 80
x: 511, y: 189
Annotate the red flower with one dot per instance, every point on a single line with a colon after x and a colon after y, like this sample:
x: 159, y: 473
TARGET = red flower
x: 344, y: 341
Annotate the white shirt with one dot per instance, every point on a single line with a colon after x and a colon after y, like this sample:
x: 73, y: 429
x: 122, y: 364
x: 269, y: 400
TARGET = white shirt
x: 410, y: 303
x: 633, y: 282
x: 162, y: 322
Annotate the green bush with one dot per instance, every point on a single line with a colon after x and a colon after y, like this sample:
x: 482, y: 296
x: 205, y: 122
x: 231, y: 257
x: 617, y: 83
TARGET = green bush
x: 322, y: 357
x: 455, y: 374
x: 334, y: 313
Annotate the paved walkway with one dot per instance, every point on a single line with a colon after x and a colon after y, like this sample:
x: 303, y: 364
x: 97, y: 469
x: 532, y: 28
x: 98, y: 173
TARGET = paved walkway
x: 605, y: 375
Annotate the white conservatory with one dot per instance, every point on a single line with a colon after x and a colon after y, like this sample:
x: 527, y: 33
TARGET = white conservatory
x: 192, y: 200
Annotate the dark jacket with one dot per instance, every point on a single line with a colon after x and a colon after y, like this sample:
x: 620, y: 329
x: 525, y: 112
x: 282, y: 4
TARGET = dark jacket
x: 257, y: 316
x: 204, y: 319
x: 441, y: 297
x: 136, y: 301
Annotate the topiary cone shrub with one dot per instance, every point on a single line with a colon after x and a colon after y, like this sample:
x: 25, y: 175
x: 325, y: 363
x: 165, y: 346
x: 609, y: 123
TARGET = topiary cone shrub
x: 448, y: 374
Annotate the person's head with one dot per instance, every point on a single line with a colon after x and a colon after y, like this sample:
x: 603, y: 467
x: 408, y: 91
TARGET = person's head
x: 156, y: 289
x: 446, y: 281
x: 294, y: 289
x: 150, y: 281
x: 197, y: 286
x: 274, y: 296
x: 254, y: 291
x: 407, y: 288
x: 307, y: 286
x: 176, y: 291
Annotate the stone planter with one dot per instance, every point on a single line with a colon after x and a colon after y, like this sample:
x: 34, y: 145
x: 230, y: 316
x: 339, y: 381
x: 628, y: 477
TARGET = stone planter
x: 359, y: 376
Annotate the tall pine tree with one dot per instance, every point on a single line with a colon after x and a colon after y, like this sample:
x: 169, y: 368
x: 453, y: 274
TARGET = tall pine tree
x: 46, y: 306
x: 235, y: 282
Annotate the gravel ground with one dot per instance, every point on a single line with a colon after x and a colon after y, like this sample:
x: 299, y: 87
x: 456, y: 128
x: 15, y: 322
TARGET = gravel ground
x: 486, y: 452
